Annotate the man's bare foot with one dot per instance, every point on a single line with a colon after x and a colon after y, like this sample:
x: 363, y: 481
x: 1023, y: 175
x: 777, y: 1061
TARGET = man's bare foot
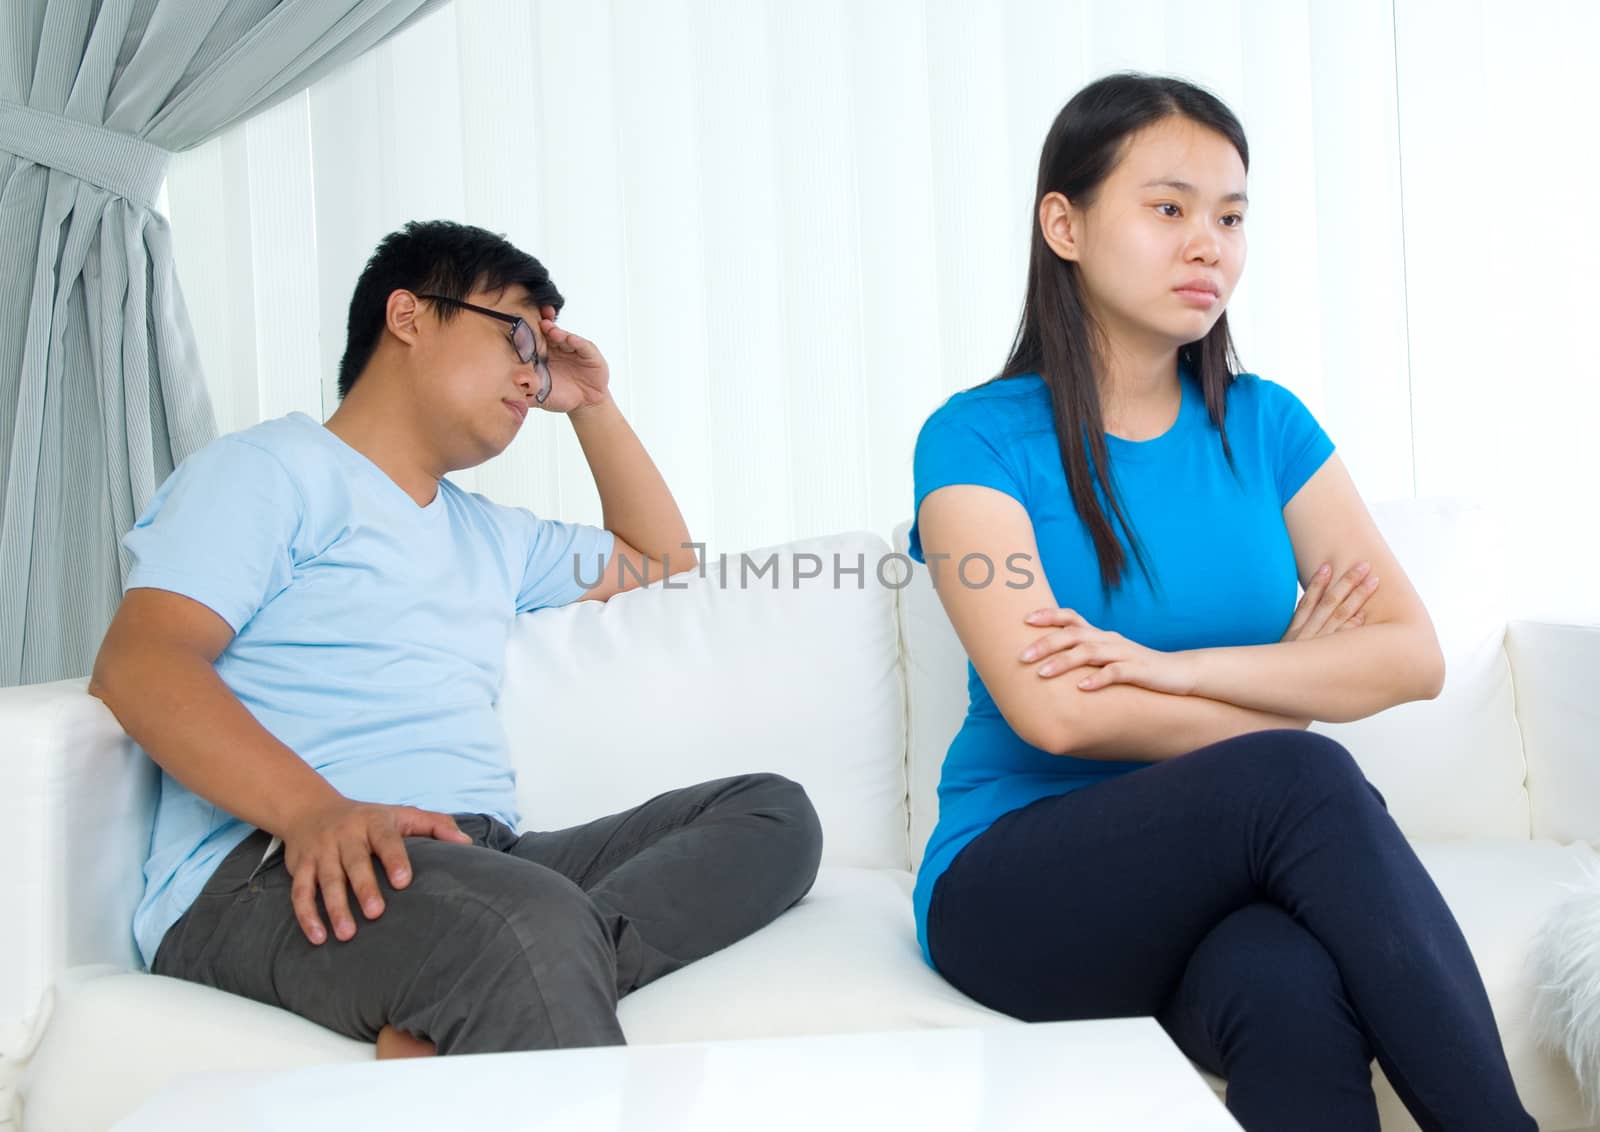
x: 398, y: 1043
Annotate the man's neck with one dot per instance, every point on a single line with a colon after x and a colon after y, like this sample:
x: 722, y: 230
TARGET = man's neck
x: 381, y: 430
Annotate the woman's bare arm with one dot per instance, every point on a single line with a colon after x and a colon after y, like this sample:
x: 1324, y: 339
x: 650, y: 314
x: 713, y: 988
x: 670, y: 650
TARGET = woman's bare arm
x: 1117, y: 723
x: 1394, y: 658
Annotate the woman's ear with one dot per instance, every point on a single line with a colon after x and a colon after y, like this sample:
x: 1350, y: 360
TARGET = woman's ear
x: 1061, y: 225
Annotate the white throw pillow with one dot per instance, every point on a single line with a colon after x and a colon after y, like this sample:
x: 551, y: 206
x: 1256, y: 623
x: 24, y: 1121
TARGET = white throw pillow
x: 1450, y: 767
x: 739, y: 671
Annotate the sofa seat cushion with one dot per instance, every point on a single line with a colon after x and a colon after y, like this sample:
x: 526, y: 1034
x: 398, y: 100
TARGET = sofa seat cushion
x: 114, y: 1039
x: 844, y: 959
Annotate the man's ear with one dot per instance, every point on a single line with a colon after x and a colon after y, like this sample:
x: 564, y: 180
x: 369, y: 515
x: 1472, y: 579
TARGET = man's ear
x: 1061, y: 225
x: 400, y: 316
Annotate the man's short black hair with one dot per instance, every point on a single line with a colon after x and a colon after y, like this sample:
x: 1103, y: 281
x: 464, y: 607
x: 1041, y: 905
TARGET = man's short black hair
x: 438, y: 257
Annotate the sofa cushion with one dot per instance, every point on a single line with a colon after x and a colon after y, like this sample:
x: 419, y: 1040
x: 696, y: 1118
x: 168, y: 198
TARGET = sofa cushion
x: 1554, y: 665
x: 1453, y: 766
x: 844, y: 959
x: 115, y: 1038
x: 1450, y: 767
x: 936, y: 692
x: 607, y: 704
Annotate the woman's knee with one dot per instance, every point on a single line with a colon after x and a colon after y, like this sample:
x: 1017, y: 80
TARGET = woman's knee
x: 1292, y: 761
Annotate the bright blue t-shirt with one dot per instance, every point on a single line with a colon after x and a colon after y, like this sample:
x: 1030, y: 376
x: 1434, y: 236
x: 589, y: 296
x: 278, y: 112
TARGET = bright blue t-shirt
x: 370, y: 631
x: 1216, y: 545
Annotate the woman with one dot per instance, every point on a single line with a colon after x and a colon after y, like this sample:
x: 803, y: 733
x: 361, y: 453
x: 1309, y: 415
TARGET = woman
x: 1133, y: 818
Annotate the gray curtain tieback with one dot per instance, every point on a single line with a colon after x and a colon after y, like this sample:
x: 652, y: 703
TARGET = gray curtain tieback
x: 116, y: 162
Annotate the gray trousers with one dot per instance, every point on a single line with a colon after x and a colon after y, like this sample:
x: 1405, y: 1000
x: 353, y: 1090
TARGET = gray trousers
x: 514, y: 943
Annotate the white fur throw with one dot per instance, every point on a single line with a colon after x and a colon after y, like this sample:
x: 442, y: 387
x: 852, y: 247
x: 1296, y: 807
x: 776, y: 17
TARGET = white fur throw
x: 1566, y: 976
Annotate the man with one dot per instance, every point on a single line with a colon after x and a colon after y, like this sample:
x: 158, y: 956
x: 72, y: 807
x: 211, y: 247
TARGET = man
x: 311, y: 647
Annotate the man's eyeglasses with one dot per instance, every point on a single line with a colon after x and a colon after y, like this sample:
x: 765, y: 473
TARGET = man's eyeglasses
x: 522, y: 340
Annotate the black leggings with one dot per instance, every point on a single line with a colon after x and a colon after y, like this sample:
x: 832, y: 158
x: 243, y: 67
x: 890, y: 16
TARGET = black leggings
x: 1255, y: 897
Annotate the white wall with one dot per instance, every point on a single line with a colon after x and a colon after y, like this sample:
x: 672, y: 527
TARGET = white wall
x: 795, y: 229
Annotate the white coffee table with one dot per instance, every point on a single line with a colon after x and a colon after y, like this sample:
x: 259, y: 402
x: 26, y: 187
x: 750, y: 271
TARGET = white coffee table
x: 1109, y: 1076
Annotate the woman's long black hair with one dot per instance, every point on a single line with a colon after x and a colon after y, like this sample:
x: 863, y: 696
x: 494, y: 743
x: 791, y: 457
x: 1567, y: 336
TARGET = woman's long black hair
x: 1057, y: 337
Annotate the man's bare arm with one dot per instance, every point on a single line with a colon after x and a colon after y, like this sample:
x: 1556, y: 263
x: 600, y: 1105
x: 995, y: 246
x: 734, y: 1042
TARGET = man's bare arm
x: 155, y: 671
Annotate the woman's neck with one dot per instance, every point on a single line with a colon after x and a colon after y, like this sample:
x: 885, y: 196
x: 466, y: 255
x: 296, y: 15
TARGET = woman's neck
x: 1140, y: 391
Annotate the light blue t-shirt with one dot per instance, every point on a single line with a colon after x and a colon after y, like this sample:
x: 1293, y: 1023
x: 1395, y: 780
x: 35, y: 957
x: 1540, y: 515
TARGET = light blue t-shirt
x: 1216, y: 545
x: 370, y: 631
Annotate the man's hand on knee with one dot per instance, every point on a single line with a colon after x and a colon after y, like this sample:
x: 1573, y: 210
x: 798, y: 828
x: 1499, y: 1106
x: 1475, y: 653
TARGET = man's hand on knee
x: 333, y: 842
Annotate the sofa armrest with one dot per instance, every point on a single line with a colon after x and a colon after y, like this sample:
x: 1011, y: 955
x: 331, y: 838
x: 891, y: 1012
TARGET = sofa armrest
x: 76, y: 802
x: 1555, y: 667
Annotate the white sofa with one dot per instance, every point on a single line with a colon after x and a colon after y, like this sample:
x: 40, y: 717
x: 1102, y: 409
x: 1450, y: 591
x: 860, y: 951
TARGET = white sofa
x: 854, y: 690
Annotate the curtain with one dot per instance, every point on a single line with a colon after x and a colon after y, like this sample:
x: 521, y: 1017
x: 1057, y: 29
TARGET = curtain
x: 793, y: 229
x: 100, y: 389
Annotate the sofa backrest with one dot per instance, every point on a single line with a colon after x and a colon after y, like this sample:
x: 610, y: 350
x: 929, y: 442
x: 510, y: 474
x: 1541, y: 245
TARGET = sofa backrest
x: 1450, y: 767
x: 1557, y: 669
x: 744, y: 669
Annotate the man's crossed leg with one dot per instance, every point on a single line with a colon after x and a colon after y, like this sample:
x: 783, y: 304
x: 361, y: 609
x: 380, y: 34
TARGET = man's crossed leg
x: 514, y: 943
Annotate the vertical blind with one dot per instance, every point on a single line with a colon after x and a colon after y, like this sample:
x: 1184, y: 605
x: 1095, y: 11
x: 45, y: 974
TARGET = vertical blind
x: 794, y: 229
